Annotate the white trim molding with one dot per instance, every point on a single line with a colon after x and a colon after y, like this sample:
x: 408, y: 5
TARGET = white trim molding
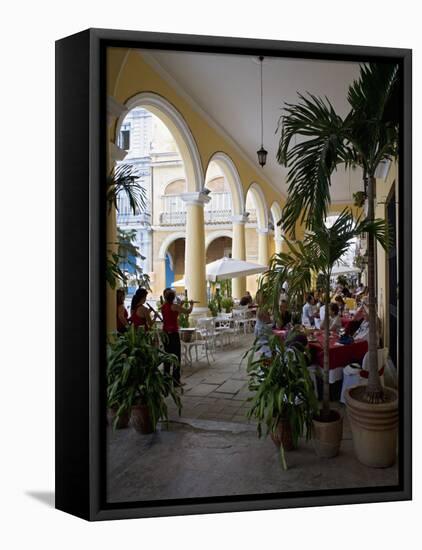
x: 199, y: 198
x: 116, y: 153
x: 167, y: 242
x: 240, y: 218
x: 217, y: 235
x: 180, y: 90
x: 260, y: 204
x: 177, y: 125
x: 114, y: 110
x: 232, y: 176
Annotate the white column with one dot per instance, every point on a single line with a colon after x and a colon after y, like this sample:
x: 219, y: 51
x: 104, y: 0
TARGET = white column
x: 195, y: 250
x: 239, y: 252
x: 278, y: 244
x: 263, y: 252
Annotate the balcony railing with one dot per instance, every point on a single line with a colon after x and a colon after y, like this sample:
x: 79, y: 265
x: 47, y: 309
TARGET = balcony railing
x: 125, y: 213
x: 173, y: 218
x: 211, y: 217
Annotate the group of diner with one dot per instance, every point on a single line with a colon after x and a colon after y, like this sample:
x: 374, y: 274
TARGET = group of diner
x: 341, y: 318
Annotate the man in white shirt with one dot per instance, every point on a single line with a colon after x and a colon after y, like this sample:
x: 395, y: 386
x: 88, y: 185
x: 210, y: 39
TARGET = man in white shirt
x: 308, y: 312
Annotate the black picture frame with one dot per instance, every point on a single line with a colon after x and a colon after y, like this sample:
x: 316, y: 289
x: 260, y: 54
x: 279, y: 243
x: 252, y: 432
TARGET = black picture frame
x: 80, y: 284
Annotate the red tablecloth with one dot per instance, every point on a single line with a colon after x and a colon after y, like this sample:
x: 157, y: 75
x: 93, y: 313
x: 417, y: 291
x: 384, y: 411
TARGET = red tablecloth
x: 340, y: 355
x: 280, y: 333
x: 345, y: 322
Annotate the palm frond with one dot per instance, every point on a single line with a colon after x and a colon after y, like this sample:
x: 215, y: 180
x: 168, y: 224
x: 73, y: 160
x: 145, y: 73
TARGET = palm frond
x: 320, y: 250
x: 125, y: 179
x: 312, y: 160
x: 372, y: 126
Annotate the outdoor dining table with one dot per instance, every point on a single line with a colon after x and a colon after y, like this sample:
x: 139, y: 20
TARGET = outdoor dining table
x: 340, y: 354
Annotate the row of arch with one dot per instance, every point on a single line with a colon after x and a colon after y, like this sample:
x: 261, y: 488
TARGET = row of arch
x: 194, y: 173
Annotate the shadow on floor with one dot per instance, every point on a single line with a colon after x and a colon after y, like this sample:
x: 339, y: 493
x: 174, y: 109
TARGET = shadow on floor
x: 45, y: 497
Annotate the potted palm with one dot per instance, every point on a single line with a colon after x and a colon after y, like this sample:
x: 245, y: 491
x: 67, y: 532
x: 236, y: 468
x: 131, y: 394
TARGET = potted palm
x: 284, y: 397
x: 320, y: 251
x: 134, y: 381
x: 365, y: 138
x: 227, y: 303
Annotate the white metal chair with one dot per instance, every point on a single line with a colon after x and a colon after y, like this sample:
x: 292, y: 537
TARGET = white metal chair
x: 239, y: 316
x: 228, y: 327
x: 197, y: 343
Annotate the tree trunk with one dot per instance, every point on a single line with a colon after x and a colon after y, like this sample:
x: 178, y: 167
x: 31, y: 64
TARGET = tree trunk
x: 326, y: 378
x: 374, y: 391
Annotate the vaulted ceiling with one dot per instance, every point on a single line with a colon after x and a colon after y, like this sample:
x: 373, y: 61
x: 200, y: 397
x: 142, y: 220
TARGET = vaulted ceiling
x: 227, y: 89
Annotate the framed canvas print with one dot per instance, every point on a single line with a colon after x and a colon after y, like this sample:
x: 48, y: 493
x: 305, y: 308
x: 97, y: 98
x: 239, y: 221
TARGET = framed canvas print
x: 233, y: 274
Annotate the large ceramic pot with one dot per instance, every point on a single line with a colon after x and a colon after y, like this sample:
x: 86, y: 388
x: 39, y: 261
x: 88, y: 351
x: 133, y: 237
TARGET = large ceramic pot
x: 283, y: 434
x: 327, y: 435
x: 374, y: 427
x: 141, y: 419
x: 123, y: 421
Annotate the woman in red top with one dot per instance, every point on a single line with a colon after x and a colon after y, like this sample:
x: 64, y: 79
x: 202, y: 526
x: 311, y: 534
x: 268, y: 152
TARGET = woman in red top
x: 170, y: 313
x: 121, y: 312
x: 140, y: 315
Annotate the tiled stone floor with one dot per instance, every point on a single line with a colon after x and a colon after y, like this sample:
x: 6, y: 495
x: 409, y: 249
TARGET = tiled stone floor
x: 213, y: 450
x: 218, y: 391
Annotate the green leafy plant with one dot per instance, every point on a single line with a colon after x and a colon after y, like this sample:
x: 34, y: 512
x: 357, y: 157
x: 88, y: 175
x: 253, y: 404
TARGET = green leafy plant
x: 213, y: 307
x: 133, y: 374
x: 227, y: 303
x: 342, y: 280
x: 359, y: 198
x: 128, y: 254
x: 124, y: 179
x: 319, y: 252
x: 315, y: 140
x: 283, y: 390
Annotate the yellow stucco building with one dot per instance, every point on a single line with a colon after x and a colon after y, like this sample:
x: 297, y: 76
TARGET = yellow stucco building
x: 188, y: 181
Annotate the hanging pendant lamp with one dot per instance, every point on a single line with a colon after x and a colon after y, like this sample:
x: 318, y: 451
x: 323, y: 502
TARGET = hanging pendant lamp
x: 262, y: 153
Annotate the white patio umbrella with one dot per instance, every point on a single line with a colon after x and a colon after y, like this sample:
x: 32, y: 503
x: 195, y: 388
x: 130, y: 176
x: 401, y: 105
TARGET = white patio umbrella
x: 179, y: 283
x: 228, y: 268
x: 340, y: 269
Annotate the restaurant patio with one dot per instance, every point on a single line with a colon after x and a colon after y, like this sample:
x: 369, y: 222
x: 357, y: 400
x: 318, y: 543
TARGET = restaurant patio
x: 281, y: 353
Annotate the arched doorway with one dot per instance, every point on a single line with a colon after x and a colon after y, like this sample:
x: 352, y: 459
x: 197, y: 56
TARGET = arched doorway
x: 175, y: 262
x: 220, y: 247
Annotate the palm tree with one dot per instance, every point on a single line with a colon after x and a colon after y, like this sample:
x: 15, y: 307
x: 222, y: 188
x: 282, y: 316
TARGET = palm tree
x: 124, y: 179
x: 320, y: 250
x: 367, y: 136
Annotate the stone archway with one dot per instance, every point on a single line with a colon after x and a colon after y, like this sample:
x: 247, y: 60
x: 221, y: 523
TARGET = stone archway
x: 179, y: 129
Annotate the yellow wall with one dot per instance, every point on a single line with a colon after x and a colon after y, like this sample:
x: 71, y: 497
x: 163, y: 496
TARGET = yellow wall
x: 138, y: 76
x: 384, y: 188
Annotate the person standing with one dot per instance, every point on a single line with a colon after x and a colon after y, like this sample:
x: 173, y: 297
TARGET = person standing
x: 121, y: 312
x: 308, y: 312
x: 170, y: 313
x: 140, y: 316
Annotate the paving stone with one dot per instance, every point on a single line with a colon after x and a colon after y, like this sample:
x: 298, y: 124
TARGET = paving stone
x: 230, y: 386
x: 202, y: 389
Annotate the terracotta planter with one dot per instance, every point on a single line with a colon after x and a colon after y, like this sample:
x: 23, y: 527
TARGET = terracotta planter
x: 141, y: 419
x: 123, y: 421
x: 374, y: 427
x: 283, y: 434
x: 186, y: 335
x: 327, y: 435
